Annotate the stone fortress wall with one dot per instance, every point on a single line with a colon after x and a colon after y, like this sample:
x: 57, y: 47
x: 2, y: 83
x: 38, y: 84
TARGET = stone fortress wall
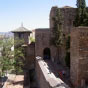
x: 78, y: 70
x: 79, y: 56
x: 43, y: 37
x: 68, y: 16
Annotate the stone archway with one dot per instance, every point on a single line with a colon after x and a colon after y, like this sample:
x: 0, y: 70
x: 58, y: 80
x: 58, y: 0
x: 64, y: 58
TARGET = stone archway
x: 46, y: 54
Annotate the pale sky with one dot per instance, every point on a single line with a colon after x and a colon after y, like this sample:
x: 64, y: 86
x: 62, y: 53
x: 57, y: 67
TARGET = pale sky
x: 33, y: 13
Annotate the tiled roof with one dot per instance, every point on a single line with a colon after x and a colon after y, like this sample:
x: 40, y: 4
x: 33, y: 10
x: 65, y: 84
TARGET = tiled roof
x: 21, y: 29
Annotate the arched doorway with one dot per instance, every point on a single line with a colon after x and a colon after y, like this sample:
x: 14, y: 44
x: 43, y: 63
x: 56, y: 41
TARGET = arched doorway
x: 86, y: 83
x: 46, y: 54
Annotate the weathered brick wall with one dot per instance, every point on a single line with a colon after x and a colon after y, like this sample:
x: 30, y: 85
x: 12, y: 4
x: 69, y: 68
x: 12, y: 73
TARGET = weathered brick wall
x: 79, y: 55
x: 30, y: 56
x: 42, y: 39
x: 29, y: 63
x: 74, y: 57
x: 68, y: 15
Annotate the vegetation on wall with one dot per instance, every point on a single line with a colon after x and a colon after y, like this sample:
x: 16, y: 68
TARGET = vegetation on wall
x: 82, y: 14
x: 81, y: 19
x: 31, y: 39
x: 57, y: 38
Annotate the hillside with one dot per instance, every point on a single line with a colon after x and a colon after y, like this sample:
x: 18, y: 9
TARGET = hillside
x: 7, y: 34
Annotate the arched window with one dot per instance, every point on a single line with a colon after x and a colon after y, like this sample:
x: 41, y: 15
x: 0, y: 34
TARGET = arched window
x: 46, y: 54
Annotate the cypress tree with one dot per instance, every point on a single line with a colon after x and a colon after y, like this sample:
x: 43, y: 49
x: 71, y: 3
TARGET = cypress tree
x: 81, y: 17
x: 81, y: 4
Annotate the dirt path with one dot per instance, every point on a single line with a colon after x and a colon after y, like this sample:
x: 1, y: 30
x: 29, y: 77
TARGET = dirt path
x: 14, y: 81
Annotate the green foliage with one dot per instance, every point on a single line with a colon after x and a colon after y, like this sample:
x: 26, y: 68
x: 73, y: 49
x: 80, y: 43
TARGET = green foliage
x: 32, y: 39
x: 82, y: 14
x: 81, y: 4
x: 9, y: 59
x: 18, y: 42
x: 19, y: 57
x: 57, y: 39
x: 6, y: 59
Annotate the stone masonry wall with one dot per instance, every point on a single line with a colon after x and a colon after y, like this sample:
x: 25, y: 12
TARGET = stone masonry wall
x: 68, y: 15
x: 30, y: 56
x: 79, y: 56
x: 74, y: 57
x: 42, y: 39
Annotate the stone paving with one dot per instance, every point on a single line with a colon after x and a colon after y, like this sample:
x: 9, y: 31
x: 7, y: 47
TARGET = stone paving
x: 14, y: 81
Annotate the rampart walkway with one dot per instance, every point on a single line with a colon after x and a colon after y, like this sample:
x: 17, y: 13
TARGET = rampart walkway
x: 46, y: 76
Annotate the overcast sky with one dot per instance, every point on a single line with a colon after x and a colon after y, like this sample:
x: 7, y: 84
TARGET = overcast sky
x: 33, y: 13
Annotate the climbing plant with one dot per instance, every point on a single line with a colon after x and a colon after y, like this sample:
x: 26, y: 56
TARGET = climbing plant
x: 57, y: 38
x: 81, y: 18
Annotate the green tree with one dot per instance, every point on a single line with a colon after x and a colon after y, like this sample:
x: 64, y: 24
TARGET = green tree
x: 11, y: 60
x: 6, y: 55
x: 31, y: 39
x: 81, y: 4
x: 82, y: 15
x: 19, y: 56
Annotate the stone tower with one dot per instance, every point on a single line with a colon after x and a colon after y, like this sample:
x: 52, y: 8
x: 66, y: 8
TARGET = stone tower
x: 21, y: 39
x: 22, y: 33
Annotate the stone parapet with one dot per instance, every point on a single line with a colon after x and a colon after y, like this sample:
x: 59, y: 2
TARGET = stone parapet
x: 47, y: 79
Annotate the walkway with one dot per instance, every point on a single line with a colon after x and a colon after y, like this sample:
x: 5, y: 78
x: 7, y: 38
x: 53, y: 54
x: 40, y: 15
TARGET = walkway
x: 58, y: 69
x: 14, y: 81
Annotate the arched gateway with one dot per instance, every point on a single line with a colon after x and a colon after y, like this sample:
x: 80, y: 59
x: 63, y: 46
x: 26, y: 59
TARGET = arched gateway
x: 46, y: 54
